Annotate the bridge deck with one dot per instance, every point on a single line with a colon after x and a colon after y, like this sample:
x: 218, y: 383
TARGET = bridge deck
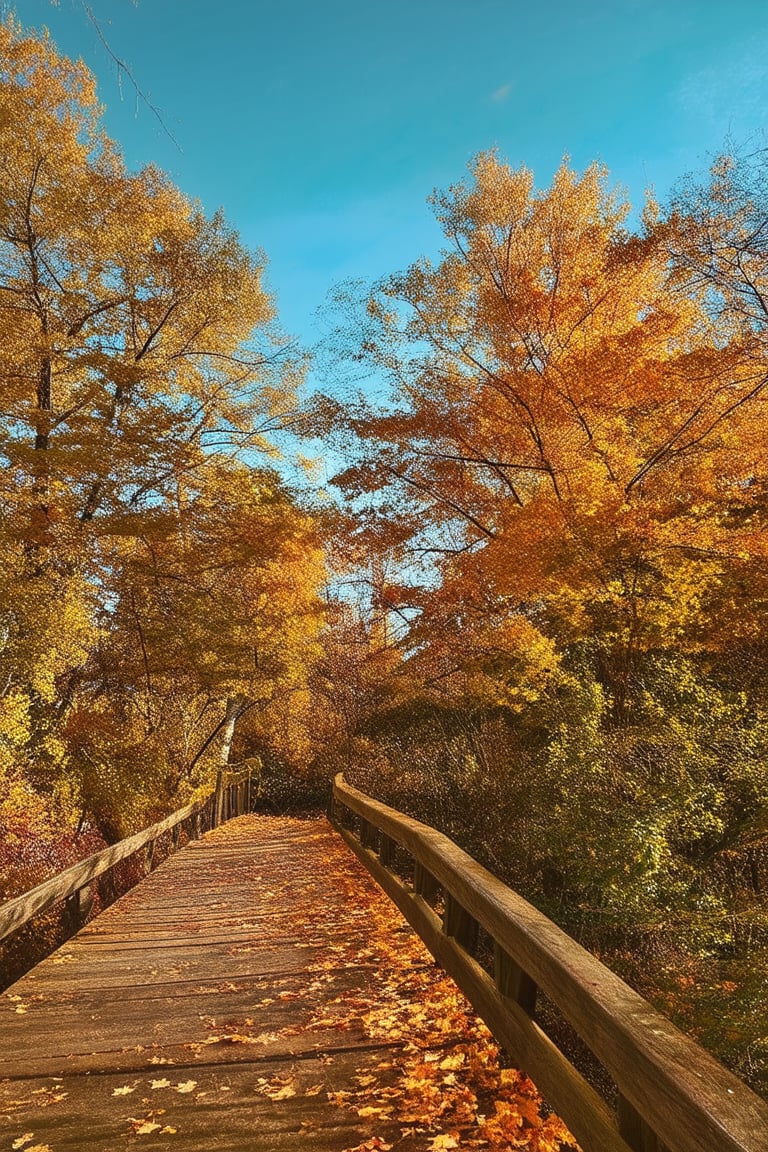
x: 257, y: 991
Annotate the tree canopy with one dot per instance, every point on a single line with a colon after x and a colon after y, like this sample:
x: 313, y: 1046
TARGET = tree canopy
x: 157, y: 576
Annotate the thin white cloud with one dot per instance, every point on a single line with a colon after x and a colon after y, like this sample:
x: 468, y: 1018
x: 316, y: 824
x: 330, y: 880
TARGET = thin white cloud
x: 501, y: 94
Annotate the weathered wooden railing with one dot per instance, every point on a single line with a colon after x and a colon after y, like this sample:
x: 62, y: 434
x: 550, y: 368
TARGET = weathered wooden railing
x: 672, y: 1095
x: 232, y: 796
x: 77, y: 885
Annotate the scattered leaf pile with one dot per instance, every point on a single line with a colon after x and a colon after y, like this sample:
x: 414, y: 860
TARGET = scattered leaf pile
x: 443, y: 1084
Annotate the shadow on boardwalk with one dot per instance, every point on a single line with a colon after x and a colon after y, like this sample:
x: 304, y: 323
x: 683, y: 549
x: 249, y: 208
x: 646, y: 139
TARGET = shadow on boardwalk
x: 257, y: 991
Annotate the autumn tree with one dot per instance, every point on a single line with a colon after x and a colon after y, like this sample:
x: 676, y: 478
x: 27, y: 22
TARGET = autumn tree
x: 566, y: 420
x: 570, y: 465
x: 140, y: 355
x: 214, y: 617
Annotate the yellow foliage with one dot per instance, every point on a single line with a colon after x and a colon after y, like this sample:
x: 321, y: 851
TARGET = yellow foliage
x: 148, y: 580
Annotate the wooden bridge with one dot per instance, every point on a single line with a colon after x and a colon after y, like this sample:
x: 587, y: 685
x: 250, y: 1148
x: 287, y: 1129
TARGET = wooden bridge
x: 257, y: 991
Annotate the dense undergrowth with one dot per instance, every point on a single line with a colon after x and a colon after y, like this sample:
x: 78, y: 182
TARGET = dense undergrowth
x: 641, y: 841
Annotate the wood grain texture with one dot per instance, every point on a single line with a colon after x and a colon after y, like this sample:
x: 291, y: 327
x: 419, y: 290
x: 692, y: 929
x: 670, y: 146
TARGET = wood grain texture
x: 234, y: 963
x: 673, y: 1085
x: 69, y: 884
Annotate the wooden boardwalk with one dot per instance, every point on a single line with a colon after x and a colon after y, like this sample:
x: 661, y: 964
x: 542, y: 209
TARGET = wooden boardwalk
x: 238, y: 998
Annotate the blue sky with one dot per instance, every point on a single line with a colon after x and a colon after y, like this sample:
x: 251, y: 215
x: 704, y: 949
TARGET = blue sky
x: 322, y: 125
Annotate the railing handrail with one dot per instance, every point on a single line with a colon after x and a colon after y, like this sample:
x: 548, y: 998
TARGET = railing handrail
x: 235, y: 773
x: 675, y: 1095
x: 229, y: 798
x: 17, y: 912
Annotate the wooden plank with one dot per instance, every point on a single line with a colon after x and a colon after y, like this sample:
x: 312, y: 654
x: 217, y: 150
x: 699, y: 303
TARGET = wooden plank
x: 225, y: 1110
x: 674, y: 1085
x: 273, y: 978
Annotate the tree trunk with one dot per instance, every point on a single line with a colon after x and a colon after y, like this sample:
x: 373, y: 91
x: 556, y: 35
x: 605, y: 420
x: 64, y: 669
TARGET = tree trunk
x: 233, y: 711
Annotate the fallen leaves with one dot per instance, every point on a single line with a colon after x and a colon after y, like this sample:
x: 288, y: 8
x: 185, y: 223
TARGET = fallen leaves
x: 443, y: 1084
x: 148, y: 1125
x: 276, y: 1088
x: 52, y: 1094
x: 144, y: 1127
x: 428, y: 1076
x: 375, y: 1144
x: 282, y: 1093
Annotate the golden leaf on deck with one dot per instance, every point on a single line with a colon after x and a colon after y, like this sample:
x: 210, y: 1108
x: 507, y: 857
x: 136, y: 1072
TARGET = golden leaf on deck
x: 452, y: 1062
x: 282, y: 1093
x: 370, y: 1110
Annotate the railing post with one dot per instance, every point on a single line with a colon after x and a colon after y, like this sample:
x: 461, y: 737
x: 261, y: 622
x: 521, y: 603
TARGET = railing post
x: 149, y: 856
x: 219, y: 801
x: 512, y: 982
x: 106, y: 888
x: 387, y: 850
x: 634, y: 1130
x: 175, y: 836
x: 77, y: 906
x: 424, y: 883
x: 460, y: 924
x: 369, y: 835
